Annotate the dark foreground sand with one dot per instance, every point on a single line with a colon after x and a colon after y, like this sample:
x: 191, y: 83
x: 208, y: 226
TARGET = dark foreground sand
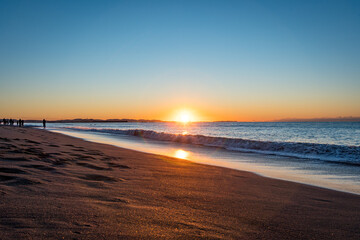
x: 58, y: 187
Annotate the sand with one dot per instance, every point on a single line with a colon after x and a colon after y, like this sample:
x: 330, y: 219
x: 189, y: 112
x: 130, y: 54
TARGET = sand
x: 54, y: 186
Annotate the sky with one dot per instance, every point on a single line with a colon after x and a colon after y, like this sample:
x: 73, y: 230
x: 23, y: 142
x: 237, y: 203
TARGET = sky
x: 219, y: 60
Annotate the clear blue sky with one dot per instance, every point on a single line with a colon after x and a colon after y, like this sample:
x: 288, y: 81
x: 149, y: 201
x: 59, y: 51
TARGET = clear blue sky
x: 227, y: 60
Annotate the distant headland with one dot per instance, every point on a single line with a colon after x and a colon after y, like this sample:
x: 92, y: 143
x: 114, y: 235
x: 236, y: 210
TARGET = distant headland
x: 90, y: 120
x: 338, y: 119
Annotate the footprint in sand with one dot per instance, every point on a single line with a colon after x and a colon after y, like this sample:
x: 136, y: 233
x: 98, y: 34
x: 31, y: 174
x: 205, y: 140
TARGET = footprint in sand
x: 19, y: 151
x: 81, y: 156
x: 320, y: 200
x: 5, y: 139
x: 12, y: 170
x: 82, y: 225
x: 56, y: 154
x: 108, y: 199
x: 31, y: 141
x: 97, y: 177
x: 94, y: 152
x: 88, y: 165
x: 15, y: 159
x: 25, y: 145
x: 14, y: 181
x: 4, y: 178
x: 108, y: 158
x: 69, y: 145
x: 39, y: 167
x: 8, y: 145
x: 115, y: 165
x: 33, y: 150
x: 53, y: 145
x: 24, y: 181
x: 60, y: 162
x: 79, y: 150
x: 37, y: 151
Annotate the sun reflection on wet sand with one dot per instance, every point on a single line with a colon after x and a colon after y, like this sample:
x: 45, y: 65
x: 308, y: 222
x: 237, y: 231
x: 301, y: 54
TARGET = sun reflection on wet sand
x: 181, y: 154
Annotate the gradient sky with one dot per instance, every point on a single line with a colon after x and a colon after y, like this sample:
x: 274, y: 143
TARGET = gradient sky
x: 222, y: 60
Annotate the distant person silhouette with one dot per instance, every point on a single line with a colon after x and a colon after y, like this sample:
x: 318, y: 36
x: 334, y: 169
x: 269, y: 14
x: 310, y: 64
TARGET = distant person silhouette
x: 19, y: 122
x: 44, y: 123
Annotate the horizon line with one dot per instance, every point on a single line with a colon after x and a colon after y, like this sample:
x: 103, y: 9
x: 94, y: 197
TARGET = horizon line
x: 323, y: 119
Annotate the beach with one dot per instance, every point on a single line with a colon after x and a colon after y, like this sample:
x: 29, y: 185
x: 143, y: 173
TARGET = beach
x: 54, y: 186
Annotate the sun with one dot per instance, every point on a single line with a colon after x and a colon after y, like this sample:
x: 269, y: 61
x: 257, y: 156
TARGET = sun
x: 184, y: 116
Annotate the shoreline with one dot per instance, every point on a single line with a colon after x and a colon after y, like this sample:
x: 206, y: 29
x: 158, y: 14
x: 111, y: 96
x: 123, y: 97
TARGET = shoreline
x: 267, y: 173
x: 98, y: 190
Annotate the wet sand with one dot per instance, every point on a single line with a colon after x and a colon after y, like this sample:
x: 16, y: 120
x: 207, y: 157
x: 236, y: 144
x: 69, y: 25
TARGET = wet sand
x: 54, y: 186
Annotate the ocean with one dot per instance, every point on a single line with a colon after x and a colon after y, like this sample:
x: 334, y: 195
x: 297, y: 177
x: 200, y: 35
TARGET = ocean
x: 325, y: 154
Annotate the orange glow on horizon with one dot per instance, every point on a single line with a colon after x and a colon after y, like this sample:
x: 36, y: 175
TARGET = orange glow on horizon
x: 193, y: 111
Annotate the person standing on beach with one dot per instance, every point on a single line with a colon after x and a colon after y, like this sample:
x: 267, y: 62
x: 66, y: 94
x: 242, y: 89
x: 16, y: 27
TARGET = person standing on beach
x: 44, y: 123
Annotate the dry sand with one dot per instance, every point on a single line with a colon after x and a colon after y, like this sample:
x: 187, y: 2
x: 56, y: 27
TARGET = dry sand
x: 54, y: 186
